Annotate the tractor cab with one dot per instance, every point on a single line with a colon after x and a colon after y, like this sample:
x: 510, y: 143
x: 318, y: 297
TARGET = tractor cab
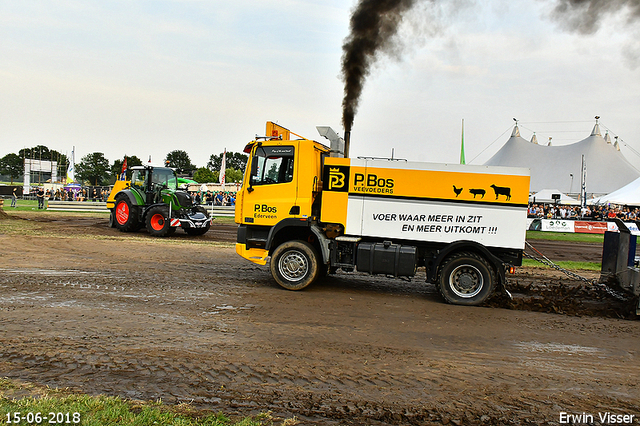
x: 151, y: 181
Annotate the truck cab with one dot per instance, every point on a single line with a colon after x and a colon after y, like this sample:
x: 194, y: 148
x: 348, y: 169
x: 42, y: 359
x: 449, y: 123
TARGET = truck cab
x: 280, y: 191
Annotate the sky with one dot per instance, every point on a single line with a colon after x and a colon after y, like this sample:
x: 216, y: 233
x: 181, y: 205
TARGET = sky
x: 148, y: 77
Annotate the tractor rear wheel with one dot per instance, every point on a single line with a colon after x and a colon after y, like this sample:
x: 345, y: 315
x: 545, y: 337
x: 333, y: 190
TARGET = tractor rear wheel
x: 125, y: 215
x: 158, y: 222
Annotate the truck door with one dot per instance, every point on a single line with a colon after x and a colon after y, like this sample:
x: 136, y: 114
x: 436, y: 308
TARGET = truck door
x: 272, y: 188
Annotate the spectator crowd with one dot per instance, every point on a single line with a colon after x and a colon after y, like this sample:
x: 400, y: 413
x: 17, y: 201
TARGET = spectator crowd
x: 591, y: 213
x: 215, y: 198
x: 219, y: 198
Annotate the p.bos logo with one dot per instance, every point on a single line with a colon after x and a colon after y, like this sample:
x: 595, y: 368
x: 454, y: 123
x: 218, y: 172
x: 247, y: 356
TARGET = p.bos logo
x: 336, y: 178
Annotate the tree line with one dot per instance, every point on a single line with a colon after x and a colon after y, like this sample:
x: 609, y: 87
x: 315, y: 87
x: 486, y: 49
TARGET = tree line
x: 95, y: 169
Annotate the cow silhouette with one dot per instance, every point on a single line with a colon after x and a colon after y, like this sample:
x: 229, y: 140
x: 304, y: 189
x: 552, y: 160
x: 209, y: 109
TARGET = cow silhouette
x: 477, y: 192
x: 502, y: 190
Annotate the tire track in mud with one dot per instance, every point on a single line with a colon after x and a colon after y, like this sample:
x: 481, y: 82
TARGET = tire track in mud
x: 217, y: 332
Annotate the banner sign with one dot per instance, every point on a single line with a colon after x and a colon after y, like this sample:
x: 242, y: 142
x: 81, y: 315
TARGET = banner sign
x: 633, y: 227
x: 591, y: 227
x: 559, y: 225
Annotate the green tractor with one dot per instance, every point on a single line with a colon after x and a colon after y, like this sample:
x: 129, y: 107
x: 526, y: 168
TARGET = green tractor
x: 152, y: 199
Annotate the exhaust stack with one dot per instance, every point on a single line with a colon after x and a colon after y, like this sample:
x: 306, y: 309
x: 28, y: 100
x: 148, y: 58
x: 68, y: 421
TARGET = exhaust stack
x: 347, y: 142
x: 337, y: 144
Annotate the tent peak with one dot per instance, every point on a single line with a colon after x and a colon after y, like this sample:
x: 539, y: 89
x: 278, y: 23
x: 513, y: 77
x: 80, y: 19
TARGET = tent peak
x: 516, y: 132
x: 596, y: 128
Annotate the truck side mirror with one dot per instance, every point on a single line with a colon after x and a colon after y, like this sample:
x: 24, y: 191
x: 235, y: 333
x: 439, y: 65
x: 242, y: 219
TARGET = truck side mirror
x: 254, y: 171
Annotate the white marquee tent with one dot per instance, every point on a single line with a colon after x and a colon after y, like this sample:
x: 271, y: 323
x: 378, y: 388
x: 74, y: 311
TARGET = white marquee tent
x: 628, y: 195
x: 561, y: 166
x: 546, y: 196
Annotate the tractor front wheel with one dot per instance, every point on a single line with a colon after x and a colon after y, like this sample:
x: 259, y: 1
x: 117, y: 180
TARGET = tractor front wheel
x: 158, y: 222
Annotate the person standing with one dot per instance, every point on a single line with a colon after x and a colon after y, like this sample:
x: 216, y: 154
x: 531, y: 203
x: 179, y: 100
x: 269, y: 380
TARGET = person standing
x: 14, y: 198
x: 40, y: 195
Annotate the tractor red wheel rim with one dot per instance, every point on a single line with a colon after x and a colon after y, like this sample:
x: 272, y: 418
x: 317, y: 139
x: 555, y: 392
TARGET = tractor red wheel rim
x: 157, y: 222
x: 122, y: 213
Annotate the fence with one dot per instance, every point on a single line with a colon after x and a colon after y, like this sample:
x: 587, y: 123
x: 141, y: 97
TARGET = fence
x: 221, y: 210
x: 78, y: 206
x: 100, y: 207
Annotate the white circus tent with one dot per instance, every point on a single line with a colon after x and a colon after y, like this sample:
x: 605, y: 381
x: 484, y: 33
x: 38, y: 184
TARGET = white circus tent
x: 546, y: 196
x: 561, y: 166
x: 628, y: 195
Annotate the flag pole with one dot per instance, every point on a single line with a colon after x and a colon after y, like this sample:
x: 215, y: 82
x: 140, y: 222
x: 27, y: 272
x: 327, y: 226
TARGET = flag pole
x: 462, y: 159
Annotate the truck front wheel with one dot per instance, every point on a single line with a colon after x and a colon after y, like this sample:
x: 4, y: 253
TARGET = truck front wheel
x: 466, y: 279
x: 294, y: 264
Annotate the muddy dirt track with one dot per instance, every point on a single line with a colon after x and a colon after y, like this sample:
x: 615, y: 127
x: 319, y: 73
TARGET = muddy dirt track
x: 187, y: 320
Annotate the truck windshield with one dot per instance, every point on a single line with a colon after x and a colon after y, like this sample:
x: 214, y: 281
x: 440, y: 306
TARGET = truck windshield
x: 274, y: 165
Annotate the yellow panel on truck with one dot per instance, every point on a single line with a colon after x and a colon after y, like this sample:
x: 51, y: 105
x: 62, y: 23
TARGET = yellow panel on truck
x: 426, y: 201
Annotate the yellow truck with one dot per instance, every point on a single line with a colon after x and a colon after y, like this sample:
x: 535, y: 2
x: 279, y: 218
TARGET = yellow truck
x: 312, y: 212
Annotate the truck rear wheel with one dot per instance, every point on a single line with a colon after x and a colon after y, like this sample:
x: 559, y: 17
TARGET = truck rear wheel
x: 158, y: 222
x: 294, y: 265
x: 466, y: 279
x: 126, y: 215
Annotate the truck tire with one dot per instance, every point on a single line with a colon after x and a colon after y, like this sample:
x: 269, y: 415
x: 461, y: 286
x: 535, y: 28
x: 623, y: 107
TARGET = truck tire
x: 158, y: 222
x: 466, y: 279
x: 199, y: 231
x: 294, y: 264
x: 126, y: 215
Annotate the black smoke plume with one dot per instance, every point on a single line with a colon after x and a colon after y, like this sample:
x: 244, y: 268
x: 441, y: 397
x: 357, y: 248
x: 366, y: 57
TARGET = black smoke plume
x: 374, y: 23
x: 584, y: 15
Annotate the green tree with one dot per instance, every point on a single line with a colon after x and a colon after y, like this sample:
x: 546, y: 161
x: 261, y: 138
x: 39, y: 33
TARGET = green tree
x: 235, y: 160
x: 12, y: 166
x: 204, y: 175
x: 93, y: 168
x: 116, y: 168
x: 234, y: 175
x: 180, y: 161
x: 41, y: 152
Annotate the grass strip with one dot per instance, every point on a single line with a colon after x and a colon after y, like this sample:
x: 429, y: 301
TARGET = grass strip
x: 565, y: 236
x: 570, y: 265
x: 63, y: 407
